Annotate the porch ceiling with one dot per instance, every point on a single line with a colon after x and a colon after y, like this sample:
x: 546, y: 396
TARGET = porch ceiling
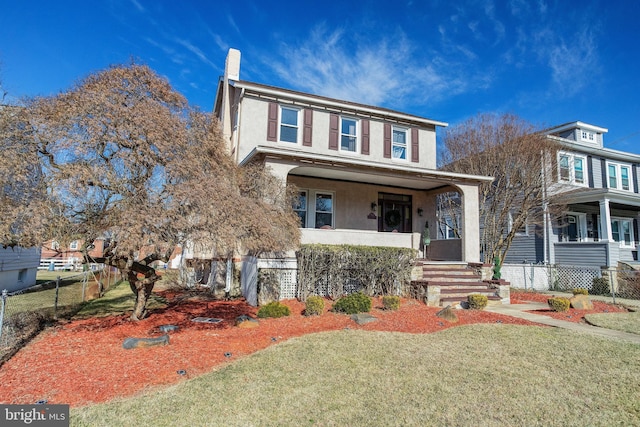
x: 621, y: 199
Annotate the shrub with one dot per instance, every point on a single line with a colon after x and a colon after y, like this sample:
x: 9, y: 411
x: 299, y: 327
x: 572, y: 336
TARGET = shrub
x: 274, y: 309
x: 579, y: 291
x: 477, y: 301
x: 559, y: 303
x: 314, y: 305
x: 600, y: 286
x: 353, y: 303
x: 391, y: 302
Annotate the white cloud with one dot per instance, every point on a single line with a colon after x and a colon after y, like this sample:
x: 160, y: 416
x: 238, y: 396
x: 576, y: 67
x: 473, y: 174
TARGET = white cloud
x: 196, y: 51
x: 389, y: 71
x: 138, y: 6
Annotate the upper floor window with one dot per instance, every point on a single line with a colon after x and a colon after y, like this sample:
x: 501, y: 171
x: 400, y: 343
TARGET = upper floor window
x: 73, y: 245
x: 622, y: 231
x: 289, y: 124
x: 571, y: 168
x: 588, y: 136
x: 399, y: 143
x: 348, y: 134
x: 618, y: 176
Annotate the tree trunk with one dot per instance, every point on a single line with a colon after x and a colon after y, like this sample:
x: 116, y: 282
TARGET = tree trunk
x: 142, y: 290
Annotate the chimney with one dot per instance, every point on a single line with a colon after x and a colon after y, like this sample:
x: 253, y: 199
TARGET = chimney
x: 232, y: 65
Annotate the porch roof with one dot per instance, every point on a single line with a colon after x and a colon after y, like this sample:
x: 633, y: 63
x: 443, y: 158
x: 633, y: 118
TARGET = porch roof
x: 590, y: 195
x: 359, y: 170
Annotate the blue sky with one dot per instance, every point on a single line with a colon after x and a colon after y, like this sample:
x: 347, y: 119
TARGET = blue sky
x: 549, y: 62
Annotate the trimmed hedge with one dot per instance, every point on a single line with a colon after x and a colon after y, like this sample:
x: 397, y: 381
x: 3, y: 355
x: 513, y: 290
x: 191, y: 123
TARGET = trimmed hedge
x: 274, y: 309
x: 314, y: 306
x: 559, y: 304
x: 477, y: 301
x: 353, y: 303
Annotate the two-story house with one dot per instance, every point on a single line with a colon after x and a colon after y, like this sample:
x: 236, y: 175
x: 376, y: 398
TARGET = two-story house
x: 600, y: 187
x: 366, y: 175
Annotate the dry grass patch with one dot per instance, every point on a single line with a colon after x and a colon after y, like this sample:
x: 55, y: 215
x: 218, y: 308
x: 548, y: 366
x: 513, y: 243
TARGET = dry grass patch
x: 490, y: 375
x: 625, y: 322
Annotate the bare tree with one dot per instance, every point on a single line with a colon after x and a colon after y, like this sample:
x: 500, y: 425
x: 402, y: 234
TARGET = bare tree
x: 125, y: 158
x: 518, y: 157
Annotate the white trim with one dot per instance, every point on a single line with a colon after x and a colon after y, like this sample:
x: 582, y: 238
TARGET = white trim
x: 357, y: 136
x: 572, y: 169
x: 618, y: 168
x: 297, y: 127
x: 621, y: 240
x: 407, y: 143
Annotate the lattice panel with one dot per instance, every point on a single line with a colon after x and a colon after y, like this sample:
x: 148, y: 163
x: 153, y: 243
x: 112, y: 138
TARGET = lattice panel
x: 288, y: 284
x: 567, y: 278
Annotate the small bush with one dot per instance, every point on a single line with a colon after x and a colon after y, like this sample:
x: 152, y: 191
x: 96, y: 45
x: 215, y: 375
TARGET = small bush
x: 579, y: 291
x: 600, y: 286
x: 353, y: 303
x: 314, y: 306
x: 559, y: 303
x: 477, y: 301
x: 273, y: 309
x: 391, y: 302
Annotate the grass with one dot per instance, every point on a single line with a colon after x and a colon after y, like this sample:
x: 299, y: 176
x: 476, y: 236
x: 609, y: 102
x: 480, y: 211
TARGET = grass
x: 625, y: 322
x: 490, y: 375
x: 116, y: 300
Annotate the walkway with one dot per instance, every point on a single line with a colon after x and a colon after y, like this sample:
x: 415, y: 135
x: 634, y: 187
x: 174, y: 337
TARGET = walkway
x: 521, y: 311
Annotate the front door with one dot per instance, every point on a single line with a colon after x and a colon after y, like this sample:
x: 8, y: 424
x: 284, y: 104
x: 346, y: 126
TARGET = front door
x: 395, y: 213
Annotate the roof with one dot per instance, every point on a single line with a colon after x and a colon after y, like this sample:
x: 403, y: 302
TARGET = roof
x: 306, y: 98
x: 576, y: 125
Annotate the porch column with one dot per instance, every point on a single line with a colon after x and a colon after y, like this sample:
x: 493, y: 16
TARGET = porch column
x: 470, y: 223
x: 605, y: 220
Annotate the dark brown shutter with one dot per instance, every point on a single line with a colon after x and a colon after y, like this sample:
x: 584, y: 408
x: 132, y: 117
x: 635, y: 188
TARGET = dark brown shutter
x: 365, y: 137
x: 272, y: 127
x: 334, y: 122
x: 605, y: 174
x: 415, y: 146
x: 307, y: 130
x: 387, y: 140
x: 590, y: 171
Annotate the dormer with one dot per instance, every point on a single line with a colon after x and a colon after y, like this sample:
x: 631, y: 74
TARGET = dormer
x: 580, y: 133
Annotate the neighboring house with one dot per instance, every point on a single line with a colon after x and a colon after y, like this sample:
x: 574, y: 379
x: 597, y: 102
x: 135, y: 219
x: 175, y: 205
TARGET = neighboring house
x: 366, y: 175
x: 18, y: 267
x: 600, y: 187
x: 69, y: 257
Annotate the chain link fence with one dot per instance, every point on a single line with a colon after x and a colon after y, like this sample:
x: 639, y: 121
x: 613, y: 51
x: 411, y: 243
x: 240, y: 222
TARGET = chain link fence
x: 25, y: 313
x: 611, y: 282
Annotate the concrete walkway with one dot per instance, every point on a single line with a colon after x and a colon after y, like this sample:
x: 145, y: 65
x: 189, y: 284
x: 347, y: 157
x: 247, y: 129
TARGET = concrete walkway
x: 520, y: 311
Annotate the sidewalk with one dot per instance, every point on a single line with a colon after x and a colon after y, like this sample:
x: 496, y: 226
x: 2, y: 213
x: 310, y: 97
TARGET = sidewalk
x: 520, y: 311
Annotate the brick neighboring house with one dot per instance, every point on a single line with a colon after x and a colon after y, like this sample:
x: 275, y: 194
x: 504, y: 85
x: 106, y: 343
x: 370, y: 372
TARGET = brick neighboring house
x: 67, y: 257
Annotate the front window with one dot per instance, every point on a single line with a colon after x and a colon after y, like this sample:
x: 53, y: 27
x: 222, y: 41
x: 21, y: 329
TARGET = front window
x: 348, y: 135
x: 571, y: 168
x: 622, y: 231
x: 399, y: 143
x: 618, y: 176
x: 289, y: 124
x: 300, y: 207
x: 324, y: 210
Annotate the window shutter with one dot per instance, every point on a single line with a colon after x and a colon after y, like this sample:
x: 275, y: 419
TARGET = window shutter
x: 590, y: 170
x: 415, y: 146
x: 365, y: 137
x: 387, y: 140
x: 334, y: 121
x: 272, y: 127
x: 634, y: 174
x: 605, y: 174
x: 307, y: 130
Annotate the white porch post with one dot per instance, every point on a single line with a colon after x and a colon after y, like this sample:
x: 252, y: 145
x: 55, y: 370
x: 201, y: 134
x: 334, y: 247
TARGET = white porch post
x: 605, y: 220
x: 470, y: 223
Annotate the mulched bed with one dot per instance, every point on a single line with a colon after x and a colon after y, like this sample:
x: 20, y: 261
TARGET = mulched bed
x: 573, y: 315
x: 82, y: 361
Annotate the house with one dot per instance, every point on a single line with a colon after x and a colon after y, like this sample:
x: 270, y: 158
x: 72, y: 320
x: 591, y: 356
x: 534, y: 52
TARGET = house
x: 18, y: 267
x: 367, y: 175
x: 68, y: 257
x: 600, y: 188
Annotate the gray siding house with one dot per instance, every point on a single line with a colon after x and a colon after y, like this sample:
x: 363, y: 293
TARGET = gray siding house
x: 601, y: 189
x: 18, y: 267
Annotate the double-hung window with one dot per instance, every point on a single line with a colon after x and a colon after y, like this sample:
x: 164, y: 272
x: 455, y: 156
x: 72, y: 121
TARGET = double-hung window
x: 587, y: 136
x: 289, y: 119
x: 399, y: 143
x: 618, y: 176
x: 348, y: 134
x: 315, y: 208
x: 572, y: 168
x: 622, y: 231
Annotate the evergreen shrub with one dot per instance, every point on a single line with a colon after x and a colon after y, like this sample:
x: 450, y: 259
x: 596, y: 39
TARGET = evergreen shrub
x: 273, y: 309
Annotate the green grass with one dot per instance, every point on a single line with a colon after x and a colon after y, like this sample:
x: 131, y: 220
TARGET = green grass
x: 116, y: 300
x: 489, y: 375
x: 625, y: 322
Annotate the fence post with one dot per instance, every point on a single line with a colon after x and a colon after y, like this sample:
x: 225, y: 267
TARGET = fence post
x: 55, y: 303
x: 612, y: 287
x: 4, y: 299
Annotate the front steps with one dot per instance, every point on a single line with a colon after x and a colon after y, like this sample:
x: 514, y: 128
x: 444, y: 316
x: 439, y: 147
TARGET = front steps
x: 450, y: 283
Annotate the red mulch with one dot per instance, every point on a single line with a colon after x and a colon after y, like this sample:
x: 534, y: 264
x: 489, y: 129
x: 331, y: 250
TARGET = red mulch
x: 82, y: 361
x: 573, y: 315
